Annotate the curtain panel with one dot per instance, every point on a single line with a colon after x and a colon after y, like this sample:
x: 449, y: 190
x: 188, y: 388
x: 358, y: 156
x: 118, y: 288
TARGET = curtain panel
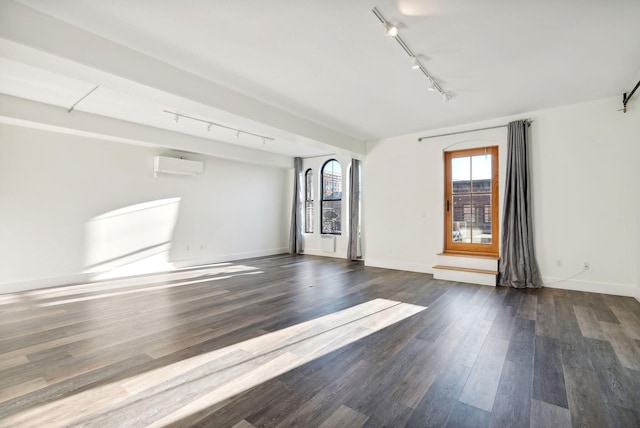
x: 353, y: 247
x: 518, y: 265
x: 295, y: 235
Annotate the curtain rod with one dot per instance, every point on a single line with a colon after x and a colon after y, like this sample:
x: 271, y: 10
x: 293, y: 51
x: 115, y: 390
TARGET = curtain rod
x: 625, y: 98
x: 471, y: 130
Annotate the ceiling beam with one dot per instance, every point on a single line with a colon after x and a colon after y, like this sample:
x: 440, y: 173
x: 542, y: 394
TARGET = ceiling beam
x: 117, y: 65
x: 18, y: 111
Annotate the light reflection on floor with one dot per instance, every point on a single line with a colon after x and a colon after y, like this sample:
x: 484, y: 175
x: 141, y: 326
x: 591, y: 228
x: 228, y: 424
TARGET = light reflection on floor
x: 212, y: 377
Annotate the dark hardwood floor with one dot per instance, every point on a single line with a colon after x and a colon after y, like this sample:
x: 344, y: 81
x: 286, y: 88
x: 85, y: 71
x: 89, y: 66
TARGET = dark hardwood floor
x: 307, y: 341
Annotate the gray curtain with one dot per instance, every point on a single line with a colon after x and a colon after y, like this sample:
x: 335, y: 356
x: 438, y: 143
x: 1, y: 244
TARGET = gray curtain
x: 518, y: 265
x: 295, y: 235
x: 353, y: 248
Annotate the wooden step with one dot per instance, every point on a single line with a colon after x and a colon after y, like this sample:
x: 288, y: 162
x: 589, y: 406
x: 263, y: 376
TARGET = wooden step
x: 467, y: 262
x: 461, y: 269
x: 464, y: 274
x: 476, y: 256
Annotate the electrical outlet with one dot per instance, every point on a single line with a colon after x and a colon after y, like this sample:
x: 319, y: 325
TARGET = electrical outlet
x: 587, y: 265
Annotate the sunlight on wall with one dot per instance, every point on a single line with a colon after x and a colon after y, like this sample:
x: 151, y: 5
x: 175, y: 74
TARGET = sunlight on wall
x: 131, y: 240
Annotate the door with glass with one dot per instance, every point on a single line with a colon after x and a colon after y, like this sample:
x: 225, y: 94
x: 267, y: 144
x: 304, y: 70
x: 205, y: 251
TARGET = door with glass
x: 471, y: 201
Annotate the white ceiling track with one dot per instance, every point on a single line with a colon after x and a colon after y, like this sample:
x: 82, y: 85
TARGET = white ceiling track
x: 177, y: 116
x: 70, y: 109
x: 392, y: 31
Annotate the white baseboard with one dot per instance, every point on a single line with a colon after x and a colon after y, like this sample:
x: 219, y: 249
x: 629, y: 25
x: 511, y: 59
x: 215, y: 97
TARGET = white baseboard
x: 79, y: 278
x: 591, y: 286
x: 34, y: 284
x: 318, y: 252
x: 396, y: 265
x: 229, y: 257
x: 617, y: 289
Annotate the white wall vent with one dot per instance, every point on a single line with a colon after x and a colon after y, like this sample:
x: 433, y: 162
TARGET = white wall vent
x: 176, y: 166
x: 328, y: 243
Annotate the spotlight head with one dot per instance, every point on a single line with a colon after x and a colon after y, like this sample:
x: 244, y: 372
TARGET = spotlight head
x: 392, y: 31
x: 415, y: 64
x: 445, y: 97
x: 432, y: 86
x: 176, y: 118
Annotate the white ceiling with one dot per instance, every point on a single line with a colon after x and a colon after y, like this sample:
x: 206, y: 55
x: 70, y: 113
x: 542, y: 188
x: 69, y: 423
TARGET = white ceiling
x: 328, y: 62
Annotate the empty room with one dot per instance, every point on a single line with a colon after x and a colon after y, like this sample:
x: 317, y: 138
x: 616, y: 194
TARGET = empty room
x: 399, y: 213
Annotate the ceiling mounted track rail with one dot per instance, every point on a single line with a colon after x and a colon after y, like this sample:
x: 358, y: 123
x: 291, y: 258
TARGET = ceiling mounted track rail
x: 177, y: 116
x: 392, y: 31
x: 73, y: 106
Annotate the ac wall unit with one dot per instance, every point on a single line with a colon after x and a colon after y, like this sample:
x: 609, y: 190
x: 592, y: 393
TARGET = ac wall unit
x: 328, y: 243
x: 176, y: 166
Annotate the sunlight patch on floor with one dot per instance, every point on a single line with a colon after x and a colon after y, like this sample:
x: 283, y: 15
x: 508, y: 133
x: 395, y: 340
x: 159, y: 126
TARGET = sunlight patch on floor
x: 202, y: 381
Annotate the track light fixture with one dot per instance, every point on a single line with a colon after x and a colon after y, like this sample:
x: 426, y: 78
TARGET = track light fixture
x: 392, y: 31
x: 177, y: 116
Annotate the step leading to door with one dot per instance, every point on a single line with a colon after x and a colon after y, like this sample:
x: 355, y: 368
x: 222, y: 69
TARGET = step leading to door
x: 465, y: 268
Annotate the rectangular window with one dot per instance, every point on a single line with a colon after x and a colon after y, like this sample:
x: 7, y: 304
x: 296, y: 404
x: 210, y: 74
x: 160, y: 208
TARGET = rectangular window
x: 471, y: 201
x: 308, y: 201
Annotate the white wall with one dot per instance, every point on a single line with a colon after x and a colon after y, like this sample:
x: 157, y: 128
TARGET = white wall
x: 312, y: 241
x: 404, y: 193
x: 64, y: 198
x: 585, y: 194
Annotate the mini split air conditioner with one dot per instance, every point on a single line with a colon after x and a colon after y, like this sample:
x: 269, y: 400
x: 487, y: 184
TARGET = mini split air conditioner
x: 176, y: 166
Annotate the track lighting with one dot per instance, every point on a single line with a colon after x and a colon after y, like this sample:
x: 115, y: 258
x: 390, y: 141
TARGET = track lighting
x: 392, y: 31
x: 177, y: 116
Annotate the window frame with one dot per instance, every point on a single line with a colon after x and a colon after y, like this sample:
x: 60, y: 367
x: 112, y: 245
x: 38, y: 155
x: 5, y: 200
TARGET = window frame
x: 456, y: 247
x: 323, y: 200
x: 308, y: 201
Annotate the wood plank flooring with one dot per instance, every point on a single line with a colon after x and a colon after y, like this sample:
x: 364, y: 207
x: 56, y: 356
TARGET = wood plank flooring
x: 303, y: 341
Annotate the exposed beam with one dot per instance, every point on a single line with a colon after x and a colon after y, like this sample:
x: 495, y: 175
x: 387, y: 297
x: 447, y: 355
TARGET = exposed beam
x: 18, y: 111
x: 62, y: 40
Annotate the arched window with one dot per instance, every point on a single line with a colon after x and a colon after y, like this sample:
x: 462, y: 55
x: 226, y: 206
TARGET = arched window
x: 308, y: 201
x: 331, y: 200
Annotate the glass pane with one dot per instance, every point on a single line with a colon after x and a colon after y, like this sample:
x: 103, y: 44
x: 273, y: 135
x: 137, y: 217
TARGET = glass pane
x: 481, y: 173
x: 481, y: 228
x: 461, y: 218
x: 308, y: 221
x: 309, y: 185
x: 460, y: 174
x: 332, y: 181
x: 331, y: 217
